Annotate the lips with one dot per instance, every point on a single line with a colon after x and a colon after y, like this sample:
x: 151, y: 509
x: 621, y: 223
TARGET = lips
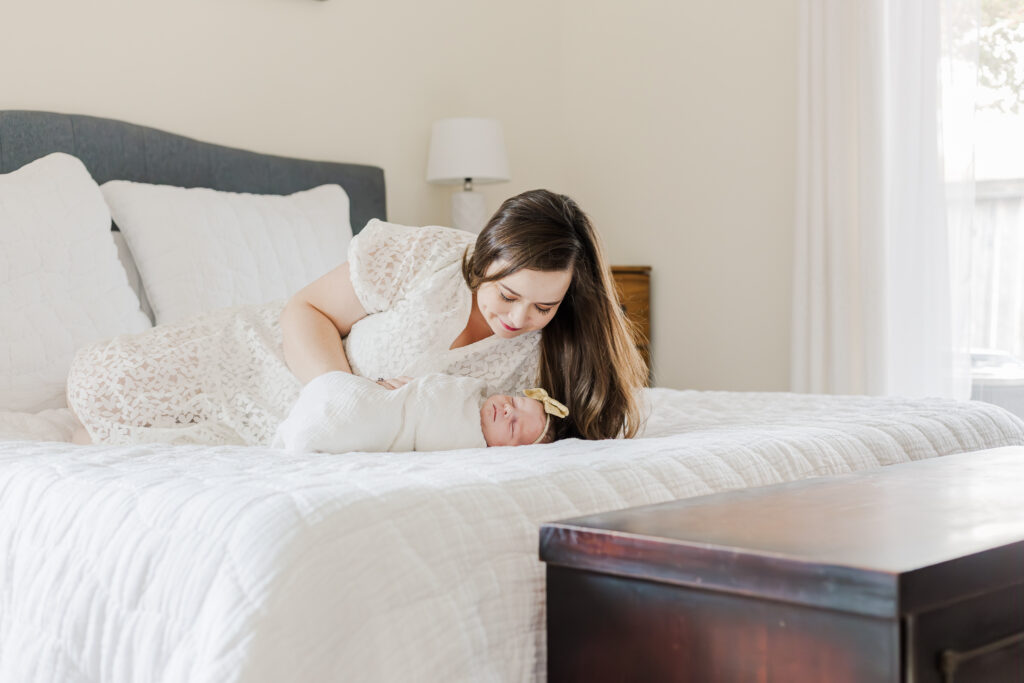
x: 495, y: 418
x: 508, y: 327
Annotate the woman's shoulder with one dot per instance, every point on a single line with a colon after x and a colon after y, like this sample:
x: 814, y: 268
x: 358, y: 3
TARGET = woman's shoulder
x: 382, y: 234
x: 387, y: 261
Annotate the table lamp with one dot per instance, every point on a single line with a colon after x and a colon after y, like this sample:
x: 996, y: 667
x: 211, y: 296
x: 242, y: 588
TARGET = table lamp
x: 467, y: 151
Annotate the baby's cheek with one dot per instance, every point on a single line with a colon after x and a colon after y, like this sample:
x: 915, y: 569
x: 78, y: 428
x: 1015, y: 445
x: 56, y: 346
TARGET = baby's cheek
x: 536, y: 427
x: 490, y: 438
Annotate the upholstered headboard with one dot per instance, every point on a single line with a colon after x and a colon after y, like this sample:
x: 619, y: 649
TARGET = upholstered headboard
x: 123, y: 151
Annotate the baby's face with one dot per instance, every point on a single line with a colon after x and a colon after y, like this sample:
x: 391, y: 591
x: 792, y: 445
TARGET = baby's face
x: 511, y: 420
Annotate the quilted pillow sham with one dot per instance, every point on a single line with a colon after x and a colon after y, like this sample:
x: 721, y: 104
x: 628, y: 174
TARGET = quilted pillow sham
x: 61, y: 283
x: 198, y: 249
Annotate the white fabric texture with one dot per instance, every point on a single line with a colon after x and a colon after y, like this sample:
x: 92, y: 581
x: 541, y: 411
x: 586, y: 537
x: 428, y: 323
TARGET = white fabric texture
x: 217, y: 378
x: 875, y: 307
x: 341, y: 413
x: 55, y: 424
x: 411, y: 280
x: 132, y: 271
x: 220, y: 377
x: 199, y: 249
x: 61, y: 284
x: 249, y: 565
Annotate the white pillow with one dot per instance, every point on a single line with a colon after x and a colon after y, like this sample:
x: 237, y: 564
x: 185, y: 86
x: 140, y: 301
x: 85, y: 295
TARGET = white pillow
x: 61, y: 284
x: 198, y: 249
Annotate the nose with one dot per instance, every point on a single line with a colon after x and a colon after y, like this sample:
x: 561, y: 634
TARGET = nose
x: 517, y: 316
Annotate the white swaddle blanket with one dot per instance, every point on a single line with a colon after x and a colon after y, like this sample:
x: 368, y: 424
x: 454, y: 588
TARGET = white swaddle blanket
x: 340, y: 413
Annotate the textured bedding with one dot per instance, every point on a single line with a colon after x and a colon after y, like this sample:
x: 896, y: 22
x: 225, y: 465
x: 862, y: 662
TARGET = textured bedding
x: 158, y: 563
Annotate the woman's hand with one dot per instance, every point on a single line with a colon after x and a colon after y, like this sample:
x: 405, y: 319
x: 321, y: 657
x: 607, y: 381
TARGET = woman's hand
x: 394, y: 382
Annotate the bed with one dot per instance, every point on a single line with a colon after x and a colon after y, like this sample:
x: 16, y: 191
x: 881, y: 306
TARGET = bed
x: 221, y: 564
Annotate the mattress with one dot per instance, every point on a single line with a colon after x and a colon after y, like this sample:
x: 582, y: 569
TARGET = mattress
x: 160, y: 563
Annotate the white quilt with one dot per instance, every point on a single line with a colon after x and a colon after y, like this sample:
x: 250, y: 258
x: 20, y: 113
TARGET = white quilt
x: 232, y: 564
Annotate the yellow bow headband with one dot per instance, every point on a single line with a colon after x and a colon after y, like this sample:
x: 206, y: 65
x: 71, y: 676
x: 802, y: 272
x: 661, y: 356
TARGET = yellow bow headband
x: 551, y: 407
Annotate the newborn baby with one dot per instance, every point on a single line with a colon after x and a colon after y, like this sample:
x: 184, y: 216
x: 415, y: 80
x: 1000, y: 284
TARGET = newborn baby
x: 338, y: 413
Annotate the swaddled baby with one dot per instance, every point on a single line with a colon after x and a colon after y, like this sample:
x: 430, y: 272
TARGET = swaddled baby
x: 338, y: 413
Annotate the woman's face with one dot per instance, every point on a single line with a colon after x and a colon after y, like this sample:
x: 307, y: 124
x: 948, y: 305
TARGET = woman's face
x: 521, y: 302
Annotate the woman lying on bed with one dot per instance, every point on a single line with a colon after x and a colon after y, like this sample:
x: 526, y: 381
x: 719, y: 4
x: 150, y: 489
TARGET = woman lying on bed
x: 529, y: 303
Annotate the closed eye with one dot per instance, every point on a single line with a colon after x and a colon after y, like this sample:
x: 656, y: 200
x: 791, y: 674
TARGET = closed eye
x: 502, y: 288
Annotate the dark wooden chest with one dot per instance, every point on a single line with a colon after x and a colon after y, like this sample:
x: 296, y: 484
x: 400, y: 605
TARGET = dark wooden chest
x: 911, y: 573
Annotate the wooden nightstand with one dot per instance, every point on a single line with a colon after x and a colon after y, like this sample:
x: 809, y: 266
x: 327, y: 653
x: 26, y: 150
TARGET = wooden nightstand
x: 634, y: 288
x: 911, y: 573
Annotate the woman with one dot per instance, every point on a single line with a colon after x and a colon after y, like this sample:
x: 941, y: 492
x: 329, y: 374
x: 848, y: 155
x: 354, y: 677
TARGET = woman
x: 410, y: 302
x: 531, y: 304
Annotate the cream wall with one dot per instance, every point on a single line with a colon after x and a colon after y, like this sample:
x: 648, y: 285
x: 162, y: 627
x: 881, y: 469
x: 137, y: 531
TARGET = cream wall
x: 332, y: 80
x: 681, y: 137
x: 672, y: 123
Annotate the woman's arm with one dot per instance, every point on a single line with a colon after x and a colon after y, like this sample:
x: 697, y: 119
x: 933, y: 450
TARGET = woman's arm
x: 314, y: 322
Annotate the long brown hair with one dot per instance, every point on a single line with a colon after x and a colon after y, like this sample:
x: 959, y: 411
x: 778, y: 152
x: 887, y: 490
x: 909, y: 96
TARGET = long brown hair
x: 588, y: 359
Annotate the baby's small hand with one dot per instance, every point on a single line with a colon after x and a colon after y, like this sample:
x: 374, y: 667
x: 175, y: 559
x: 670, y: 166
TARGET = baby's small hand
x: 394, y: 383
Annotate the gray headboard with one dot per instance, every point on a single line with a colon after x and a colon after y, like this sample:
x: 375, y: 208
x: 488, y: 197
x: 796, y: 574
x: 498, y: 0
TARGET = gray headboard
x: 115, y: 150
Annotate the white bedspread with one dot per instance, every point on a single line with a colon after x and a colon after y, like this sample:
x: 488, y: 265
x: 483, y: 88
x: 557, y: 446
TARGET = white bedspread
x: 230, y: 564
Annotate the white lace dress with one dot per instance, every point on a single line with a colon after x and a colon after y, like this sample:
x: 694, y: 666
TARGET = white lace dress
x: 221, y: 378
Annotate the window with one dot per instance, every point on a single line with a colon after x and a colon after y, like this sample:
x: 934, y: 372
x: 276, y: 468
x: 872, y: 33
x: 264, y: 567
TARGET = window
x: 997, y: 233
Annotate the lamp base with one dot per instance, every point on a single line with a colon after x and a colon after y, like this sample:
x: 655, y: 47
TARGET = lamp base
x: 469, y: 210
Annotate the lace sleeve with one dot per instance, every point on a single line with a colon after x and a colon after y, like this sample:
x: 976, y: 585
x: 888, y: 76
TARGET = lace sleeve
x: 387, y: 260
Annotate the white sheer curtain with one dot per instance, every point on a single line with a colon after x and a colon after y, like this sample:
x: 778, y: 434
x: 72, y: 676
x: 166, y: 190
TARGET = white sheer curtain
x: 877, y: 306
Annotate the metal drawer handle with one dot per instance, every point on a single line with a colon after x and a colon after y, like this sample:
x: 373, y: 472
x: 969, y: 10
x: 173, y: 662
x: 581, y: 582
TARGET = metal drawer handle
x: 952, y: 659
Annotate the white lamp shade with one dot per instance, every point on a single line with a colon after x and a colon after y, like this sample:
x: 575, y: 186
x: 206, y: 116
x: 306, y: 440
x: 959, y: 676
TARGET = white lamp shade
x: 463, y: 148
